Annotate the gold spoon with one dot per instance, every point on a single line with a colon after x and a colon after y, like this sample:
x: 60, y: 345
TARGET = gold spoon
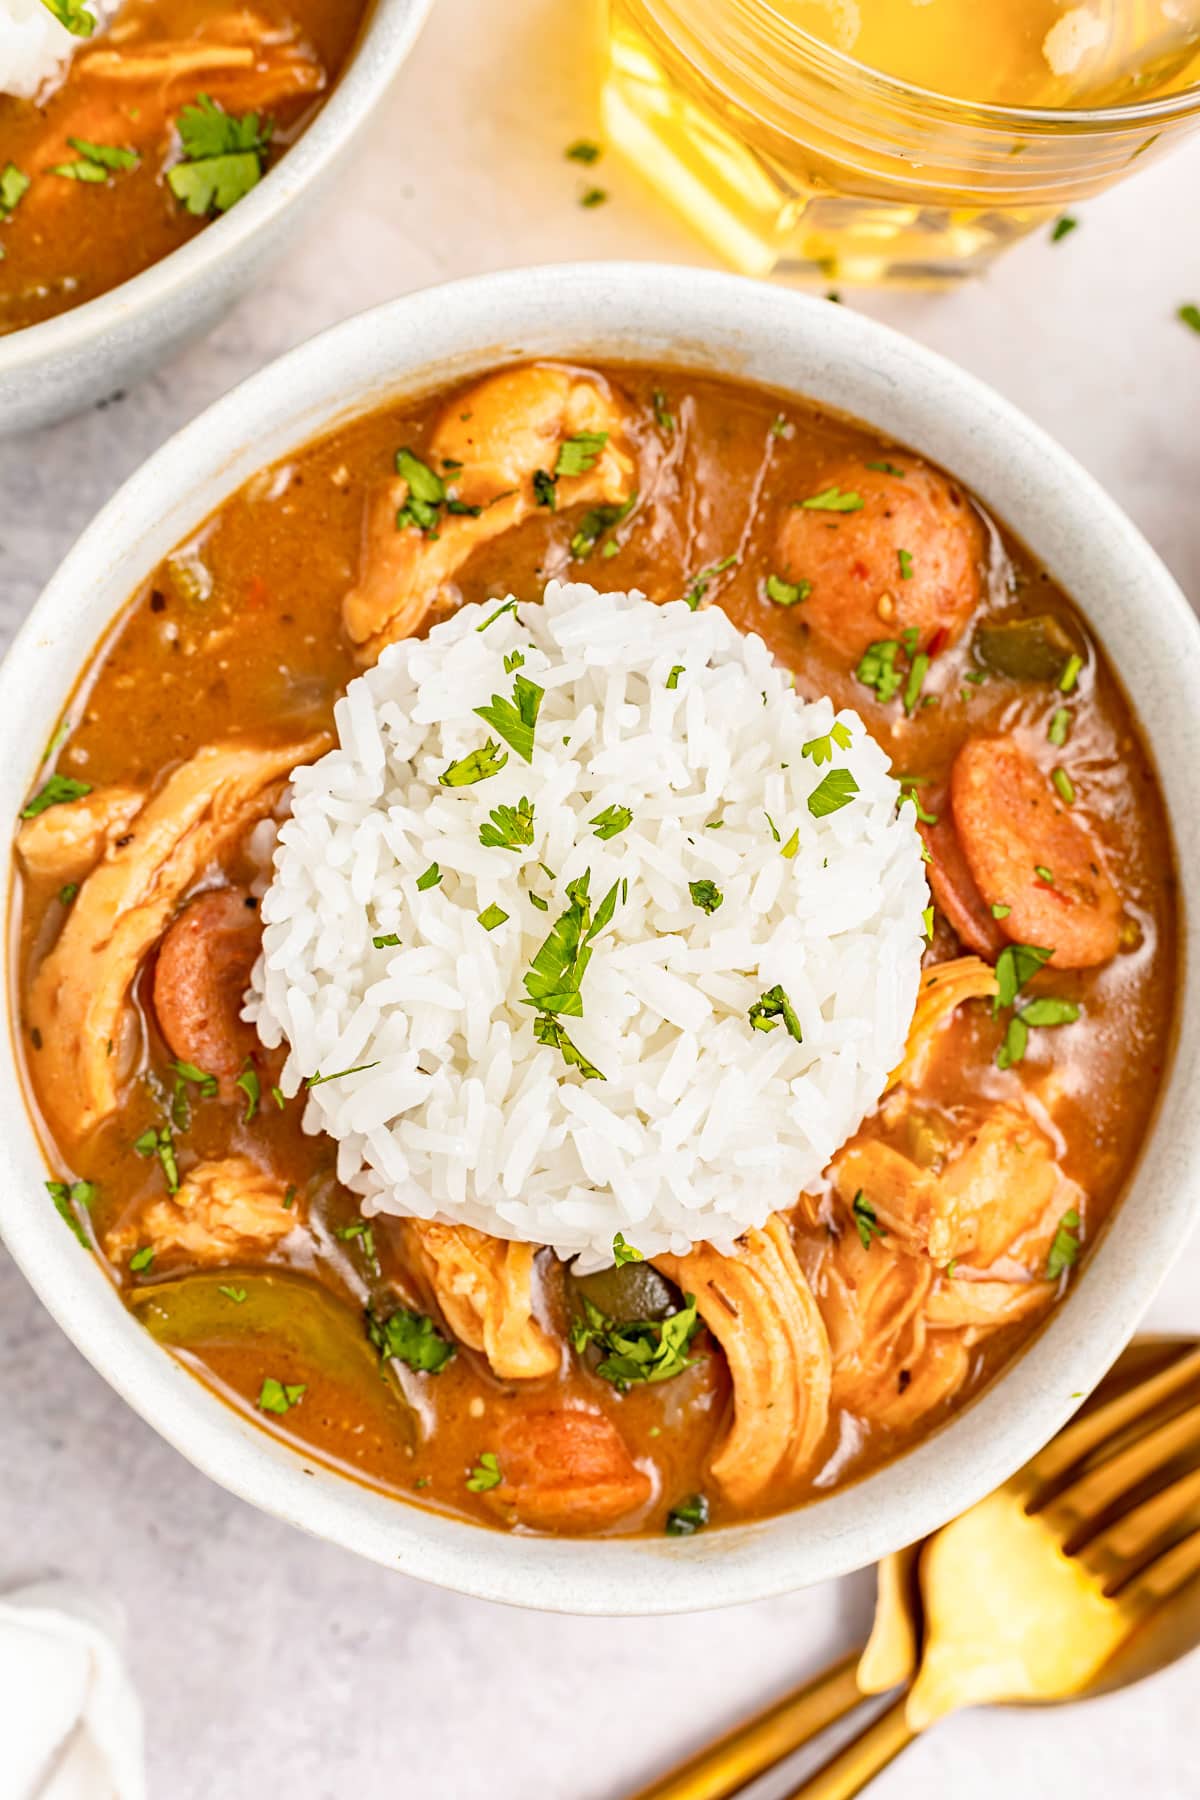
x: 1075, y: 1577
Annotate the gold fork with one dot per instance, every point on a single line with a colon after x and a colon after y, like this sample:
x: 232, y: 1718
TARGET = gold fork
x: 1031, y: 1594
x: 1082, y: 1476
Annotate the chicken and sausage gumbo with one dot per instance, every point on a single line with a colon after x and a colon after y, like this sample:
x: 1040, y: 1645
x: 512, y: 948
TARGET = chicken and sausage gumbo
x: 159, y: 124
x: 703, y: 1387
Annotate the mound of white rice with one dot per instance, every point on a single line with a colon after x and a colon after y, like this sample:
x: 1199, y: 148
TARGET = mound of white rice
x: 35, y: 48
x: 698, y: 1122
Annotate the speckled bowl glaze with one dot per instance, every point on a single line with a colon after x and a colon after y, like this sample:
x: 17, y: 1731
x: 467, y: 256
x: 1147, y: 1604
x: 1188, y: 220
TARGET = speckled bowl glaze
x: 51, y: 370
x: 829, y: 354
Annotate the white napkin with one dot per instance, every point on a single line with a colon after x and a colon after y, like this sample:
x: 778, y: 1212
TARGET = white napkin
x: 72, y: 1723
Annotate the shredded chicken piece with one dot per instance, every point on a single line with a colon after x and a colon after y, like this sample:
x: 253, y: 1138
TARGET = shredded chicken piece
x: 484, y: 1287
x: 1003, y: 1184
x: 64, y: 842
x: 79, y: 1003
x: 978, y: 1307
x: 759, y: 1306
x: 889, y: 1368
x: 223, y: 1212
x: 944, y: 988
x: 502, y: 433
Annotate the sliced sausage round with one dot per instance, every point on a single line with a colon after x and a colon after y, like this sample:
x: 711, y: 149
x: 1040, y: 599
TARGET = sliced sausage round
x: 202, y: 973
x: 568, y: 1471
x: 1029, y: 852
x: 910, y: 557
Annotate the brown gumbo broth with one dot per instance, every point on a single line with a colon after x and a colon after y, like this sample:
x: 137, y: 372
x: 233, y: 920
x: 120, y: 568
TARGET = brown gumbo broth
x: 947, y: 1228
x: 68, y: 237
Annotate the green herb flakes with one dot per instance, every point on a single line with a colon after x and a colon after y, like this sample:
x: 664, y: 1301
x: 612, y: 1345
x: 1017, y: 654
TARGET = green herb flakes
x: 411, y: 1338
x: 236, y: 1294
x: 426, y: 494
x: 918, y: 670
x: 820, y: 749
x: 59, y: 790
x: 142, y: 1259
x: 836, y: 789
x: 638, y: 1351
x: 477, y: 765
x: 999, y: 910
x: 96, y: 163
x: 70, y: 1197
x: 14, y: 185
x: 625, y: 1253
x: 673, y: 677
x: 904, y: 558
x: 888, y: 468
x: 386, y: 940
x: 688, y: 1517
x: 1063, y: 227
x: 432, y: 875
x: 772, y: 1008
x: 67, y: 893
x: 865, y: 1220
x: 279, y: 1396
x: 927, y: 921
x: 509, y: 606
x: 545, y: 490
x: 160, y: 1141
x: 249, y: 1084
x: 578, y: 454
x: 222, y: 157
x: 1070, y: 673
x: 510, y: 827
x: 706, y: 895
x: 877, y: 669
x: 1064, y: 787
x: 583, y: 150
x: 550, y: 1031
x: 486, y: 1474
x: 596, y: 521
x: 514, y: 719
x: 664, y: 418
x: 786, y: 593
x: 1059, y: 727
x: 832, y: 499
x: 1189, y: 315
x: 611, y: 822
x: 700, y: 584
x: 491, y: 916
x: 1064, y: 1251
x: 319, y: 1080
x: 593, y: 196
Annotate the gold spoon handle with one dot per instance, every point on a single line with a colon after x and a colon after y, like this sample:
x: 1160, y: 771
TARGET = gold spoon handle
x: 722, y: 1768
x: 863, y: 1758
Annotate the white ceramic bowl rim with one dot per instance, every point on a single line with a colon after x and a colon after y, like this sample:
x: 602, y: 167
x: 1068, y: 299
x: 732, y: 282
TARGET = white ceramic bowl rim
x: 835, y: 356
x: 388, y: 32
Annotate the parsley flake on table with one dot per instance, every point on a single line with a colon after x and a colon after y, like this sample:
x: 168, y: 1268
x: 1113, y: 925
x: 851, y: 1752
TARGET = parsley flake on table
x: 511, y: 827
x: 583, y: 150
x: 1063, y: 227
x: 411, y: 1338
x: 514, y: 719
x: 221, y: 157
x: 772, y: 1008
x: 1189, y: 315
x: 59, y: 790
x: 593, y: 196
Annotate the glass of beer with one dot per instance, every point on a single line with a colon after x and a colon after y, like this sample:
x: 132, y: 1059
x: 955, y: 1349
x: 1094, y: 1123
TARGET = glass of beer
x: 892, y: 140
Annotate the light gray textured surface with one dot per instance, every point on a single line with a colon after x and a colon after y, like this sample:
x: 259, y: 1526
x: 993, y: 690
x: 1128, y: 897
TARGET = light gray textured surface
x: 269, y: 1662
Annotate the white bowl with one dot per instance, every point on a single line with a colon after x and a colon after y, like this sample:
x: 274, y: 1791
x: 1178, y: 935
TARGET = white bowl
x: 50, y: 370
x: 842, y: 360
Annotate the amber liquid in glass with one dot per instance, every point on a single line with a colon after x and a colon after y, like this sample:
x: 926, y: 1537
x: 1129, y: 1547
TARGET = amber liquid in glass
x: 764, y: 121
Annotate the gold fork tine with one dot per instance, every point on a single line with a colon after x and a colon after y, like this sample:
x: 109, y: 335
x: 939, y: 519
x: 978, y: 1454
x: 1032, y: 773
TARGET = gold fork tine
x: 1084, y: 1501
x: 1088, y: 1433
x: 1164, y: 1577
x: 1131, y: 1539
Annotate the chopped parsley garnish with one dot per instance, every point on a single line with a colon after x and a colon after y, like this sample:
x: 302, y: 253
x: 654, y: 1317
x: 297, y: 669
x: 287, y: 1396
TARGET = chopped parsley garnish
x: 426, y: 494
x: 774, y: 827
x: 593, y: 196
x: 1070, y: 673
x: 486, y: 1473
x: 545, y: 490
x: 910, y: 796
x: 836, y: 788
x: 360, y: 1231
x: 59, y: 790
x: 793, y: 844
x: 386, y: 940
x: 550, y: 1031
x: 236, y: 1294
x: 249, y: 1083
x: 832, y: 499
x: 866, y: 1220
x: 160, y: 1141
x: 701, y: 583
x: 625, y: 1253
x: 68, y: 1197
x: 514, y: 719
x: 664, y: 418
x: 491, y: 916
x: 536, y: 900
x: 74, y: 15
x: 556, y: 974
x: 916, y: 680
x: 1063, y: 227
x: 1064, y: 1251
x: 430, y: 878
x: 279, y: 1396
x: 999, y: 910
x: 583, y: 150
x: 1189, y: 315
x: 787, y: 593
x: 1015, y: 965
x: 514, y: 659
x: 509, y: 606
x: 477, y: 765
x: 690, y: 1516
x: 14, y: 185
x: 511, y: 827
x: 278, y: 1098
x: 610, y: 822
x: 412, y: 1338
x: 1059, y: 727
x: 221, y: 157
x: 673, y: 677
x: 927, y: 921
x: 904, y: 558
x: 1044, y: 874
x: 887, y: 468
x: 820, y: 749
x: 638, y: 1350
x: 596, y: 521
x: 96, y: 162
x: 67, y: 892
x: 878, y: 670
x: 772, y: 1007
x: 578, y: 454
x: 318, y: 1080
x: 142, y: 1259
x: 706, y: 895
x: 1064, y: 787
